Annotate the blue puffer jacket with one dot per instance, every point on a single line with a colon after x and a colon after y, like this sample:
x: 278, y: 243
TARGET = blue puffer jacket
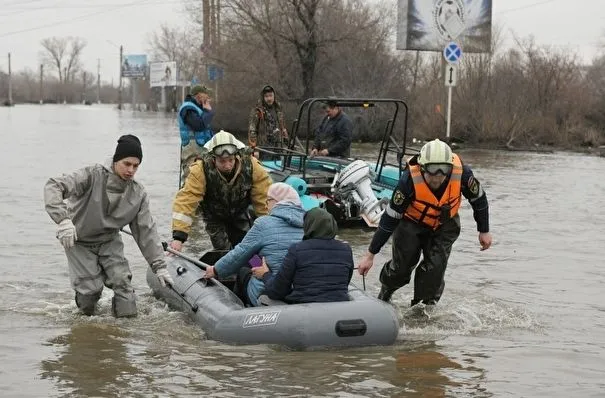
x: 269, y: 237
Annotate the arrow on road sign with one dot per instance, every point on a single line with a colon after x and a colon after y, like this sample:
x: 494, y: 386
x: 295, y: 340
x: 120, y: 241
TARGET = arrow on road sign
x: 451, y: 75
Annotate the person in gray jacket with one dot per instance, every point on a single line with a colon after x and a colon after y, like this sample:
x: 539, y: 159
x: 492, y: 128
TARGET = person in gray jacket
x: 101, y: 200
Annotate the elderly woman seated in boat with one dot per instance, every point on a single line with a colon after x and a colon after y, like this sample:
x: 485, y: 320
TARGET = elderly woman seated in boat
x: 270, y: 237
x: 317, y: 269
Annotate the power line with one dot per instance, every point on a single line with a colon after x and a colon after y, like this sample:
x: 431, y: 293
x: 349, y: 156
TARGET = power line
x: 18, y: 2
x: 81, y: 17
x: 526, y: 6
x: 23, y: 10
x: 96, y: 5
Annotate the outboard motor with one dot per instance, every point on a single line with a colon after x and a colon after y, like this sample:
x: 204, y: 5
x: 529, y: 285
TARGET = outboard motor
x: 353, y: 185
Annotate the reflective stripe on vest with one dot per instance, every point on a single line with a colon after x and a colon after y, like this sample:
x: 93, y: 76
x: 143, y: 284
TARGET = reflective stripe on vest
x: 426, y: 209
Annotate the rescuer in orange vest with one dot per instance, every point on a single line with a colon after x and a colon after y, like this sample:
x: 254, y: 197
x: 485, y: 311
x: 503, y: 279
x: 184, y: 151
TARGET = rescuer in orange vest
x: 423, y: 218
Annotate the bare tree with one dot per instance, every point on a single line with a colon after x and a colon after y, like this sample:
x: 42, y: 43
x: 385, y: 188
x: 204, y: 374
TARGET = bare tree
x: 176, y: 44
x: 73, y: 64
x: 511, y: 97
x: 63, y: 54
x: 304, y: 25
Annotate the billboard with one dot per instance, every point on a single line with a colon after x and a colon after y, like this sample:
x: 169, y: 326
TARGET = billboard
x: 428, y: 25
x: 162, y: 74
x: 134, y: 65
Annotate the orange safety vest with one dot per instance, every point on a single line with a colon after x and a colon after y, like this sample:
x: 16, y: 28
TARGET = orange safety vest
x: 426, y: 209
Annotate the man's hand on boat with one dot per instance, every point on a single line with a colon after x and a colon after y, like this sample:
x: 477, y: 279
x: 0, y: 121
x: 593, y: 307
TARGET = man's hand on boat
x: 210, y: 272
x: 315, y: 152
x: 367, y: 261
x: 164, y: 277
x: 175, y: 245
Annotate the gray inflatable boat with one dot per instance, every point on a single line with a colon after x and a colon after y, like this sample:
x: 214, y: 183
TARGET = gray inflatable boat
x: 362, y: 321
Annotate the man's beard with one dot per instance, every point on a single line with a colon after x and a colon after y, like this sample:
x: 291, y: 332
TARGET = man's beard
x: 228, y: 174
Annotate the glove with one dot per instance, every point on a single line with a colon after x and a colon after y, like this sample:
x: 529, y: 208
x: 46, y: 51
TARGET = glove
x: 66, y: 233
x: 164, y: 277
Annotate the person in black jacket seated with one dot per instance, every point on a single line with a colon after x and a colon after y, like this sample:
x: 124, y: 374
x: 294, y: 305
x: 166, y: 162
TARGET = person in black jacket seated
x: 317, y: 269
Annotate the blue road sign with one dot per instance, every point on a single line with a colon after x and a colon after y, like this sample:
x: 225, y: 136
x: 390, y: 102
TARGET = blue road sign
x: 452, y: 53
x: 195, y: 81
x: 214, y: 73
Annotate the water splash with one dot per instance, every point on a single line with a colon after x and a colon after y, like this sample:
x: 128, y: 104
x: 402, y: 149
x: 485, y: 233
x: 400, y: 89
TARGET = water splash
x: 471, y: 315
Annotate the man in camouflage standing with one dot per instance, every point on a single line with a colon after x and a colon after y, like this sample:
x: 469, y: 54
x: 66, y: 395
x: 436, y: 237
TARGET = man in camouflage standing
x: 224, y: 182
x: 267, y: 122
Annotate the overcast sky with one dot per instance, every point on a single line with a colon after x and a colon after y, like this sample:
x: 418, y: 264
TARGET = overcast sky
x: 105, y: 24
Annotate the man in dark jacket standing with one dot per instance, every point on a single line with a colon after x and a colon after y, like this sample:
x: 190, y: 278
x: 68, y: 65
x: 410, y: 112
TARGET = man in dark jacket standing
x: 317, y: 269
x: 335, y: 134
x: 194, y: 118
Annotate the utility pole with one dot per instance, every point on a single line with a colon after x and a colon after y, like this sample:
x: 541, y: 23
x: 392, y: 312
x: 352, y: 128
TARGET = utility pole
x: 99, y: 80
x: 65, y: 80
x: 133, y: 84
x: 84, y: 87
x: 120, y: 77
x: 41, y: 84
x: 10, y: 83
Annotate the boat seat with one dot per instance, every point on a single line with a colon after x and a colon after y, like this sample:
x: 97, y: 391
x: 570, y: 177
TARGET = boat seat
x: 263, y: 299
x: 210, y: 257
x: 278, y: 175
x: 325, y: 186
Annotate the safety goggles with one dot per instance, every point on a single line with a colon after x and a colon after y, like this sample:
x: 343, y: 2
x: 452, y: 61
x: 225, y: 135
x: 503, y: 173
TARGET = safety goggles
x: 437, y: 168
x: 224, y: 150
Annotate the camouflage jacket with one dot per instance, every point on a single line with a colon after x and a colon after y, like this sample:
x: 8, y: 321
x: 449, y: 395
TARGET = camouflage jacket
x: 262, y: 125
x: 218, y: 198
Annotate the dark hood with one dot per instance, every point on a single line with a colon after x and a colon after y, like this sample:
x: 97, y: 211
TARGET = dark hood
x: 261, y: 100
x: 319, y: 224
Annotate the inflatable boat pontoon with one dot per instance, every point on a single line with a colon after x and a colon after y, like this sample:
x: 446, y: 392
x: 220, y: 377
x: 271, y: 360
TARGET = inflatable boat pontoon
x: 362, y: 321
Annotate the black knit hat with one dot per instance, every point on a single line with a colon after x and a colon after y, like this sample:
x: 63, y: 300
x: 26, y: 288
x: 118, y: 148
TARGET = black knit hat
x: 128, y: 145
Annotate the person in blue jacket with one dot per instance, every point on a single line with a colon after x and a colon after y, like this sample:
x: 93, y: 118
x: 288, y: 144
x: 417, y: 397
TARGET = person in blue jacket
x: 194, y: 118
x: 317, y: 269
x: 269, y: 237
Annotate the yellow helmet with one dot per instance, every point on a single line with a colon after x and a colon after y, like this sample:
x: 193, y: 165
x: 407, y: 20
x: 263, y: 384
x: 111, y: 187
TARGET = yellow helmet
x: 224, y: 143
x: 435, y: 151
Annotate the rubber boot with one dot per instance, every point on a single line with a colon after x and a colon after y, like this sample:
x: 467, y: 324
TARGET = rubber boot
x: 87, y: 303
x: 386, y: 293
x: 425, y: 302
x: 124, y: 307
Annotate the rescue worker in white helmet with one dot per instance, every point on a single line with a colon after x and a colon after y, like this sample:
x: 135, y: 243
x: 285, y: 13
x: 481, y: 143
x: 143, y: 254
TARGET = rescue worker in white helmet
x: 224, y: 182
x: 422, y: 216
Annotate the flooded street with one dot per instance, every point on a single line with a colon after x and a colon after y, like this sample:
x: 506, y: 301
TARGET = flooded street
x: 525, y: 318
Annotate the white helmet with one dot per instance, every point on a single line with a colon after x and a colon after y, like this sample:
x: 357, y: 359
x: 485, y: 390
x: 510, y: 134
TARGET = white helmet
x: 224, y: 143
x: 435, y: 151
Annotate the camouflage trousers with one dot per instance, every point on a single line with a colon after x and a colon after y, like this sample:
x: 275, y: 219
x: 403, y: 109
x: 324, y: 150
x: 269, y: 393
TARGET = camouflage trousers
x: 225, y: 234
x: 409, y: 241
